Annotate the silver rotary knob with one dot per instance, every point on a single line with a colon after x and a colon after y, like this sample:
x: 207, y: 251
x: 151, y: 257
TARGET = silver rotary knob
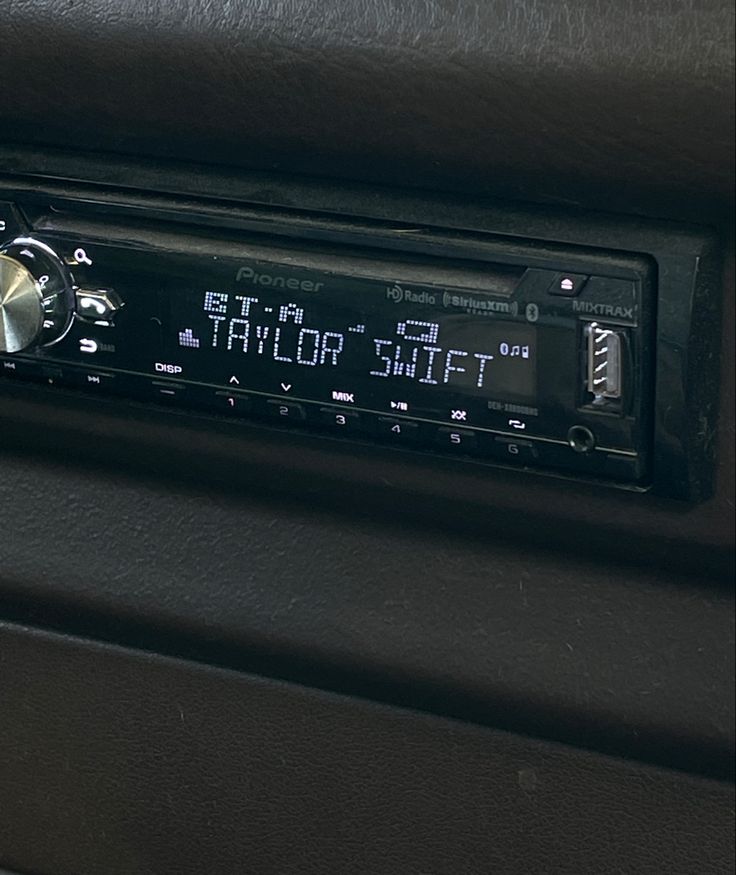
x: 36, y: 296
x: 21, y: 306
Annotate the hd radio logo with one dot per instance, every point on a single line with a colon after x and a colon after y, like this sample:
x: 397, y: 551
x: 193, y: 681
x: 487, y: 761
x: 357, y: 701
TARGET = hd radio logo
x: 398, y: 295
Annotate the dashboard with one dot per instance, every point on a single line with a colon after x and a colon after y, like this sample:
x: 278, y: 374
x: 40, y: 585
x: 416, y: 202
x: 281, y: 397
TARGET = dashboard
x: 367, y: 420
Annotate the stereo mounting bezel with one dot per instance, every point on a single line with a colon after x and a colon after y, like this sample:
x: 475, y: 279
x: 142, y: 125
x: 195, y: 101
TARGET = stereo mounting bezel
x: 682, y: 260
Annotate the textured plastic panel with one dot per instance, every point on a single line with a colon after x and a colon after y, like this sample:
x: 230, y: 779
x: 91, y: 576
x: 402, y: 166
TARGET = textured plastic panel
x: 118, y: 763
x: 625, y: 104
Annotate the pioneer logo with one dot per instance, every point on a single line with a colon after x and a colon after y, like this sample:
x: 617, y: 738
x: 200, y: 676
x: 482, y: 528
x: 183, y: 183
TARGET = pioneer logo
x: 275, y: 281
x: 603, y: 310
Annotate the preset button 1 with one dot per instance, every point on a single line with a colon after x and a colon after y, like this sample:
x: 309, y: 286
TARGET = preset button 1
x: 229, y: 402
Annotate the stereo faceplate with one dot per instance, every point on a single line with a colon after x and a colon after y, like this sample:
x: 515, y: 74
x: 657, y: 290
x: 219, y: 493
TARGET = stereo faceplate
x: 494, y: 349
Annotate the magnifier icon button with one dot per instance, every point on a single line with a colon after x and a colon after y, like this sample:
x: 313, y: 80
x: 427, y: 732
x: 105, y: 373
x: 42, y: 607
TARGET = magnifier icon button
x: 81, y: 257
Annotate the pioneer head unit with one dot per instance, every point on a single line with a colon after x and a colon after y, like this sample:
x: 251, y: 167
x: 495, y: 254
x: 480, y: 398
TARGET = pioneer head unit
x: 499, y: 351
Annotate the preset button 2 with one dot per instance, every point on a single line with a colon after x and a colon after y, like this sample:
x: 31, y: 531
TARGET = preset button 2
x: 289, y: 410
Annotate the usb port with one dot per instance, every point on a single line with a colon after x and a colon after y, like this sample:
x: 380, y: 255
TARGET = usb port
x: 605, y: 376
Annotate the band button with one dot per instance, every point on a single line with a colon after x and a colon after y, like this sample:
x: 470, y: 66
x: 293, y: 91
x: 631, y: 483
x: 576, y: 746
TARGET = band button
x: 462, y: 440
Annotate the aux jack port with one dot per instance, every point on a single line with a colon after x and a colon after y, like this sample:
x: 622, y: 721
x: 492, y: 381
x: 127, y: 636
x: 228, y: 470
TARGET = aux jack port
x: 581, y: 439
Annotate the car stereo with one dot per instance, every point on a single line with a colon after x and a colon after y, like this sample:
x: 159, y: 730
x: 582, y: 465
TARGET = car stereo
x: 496, y: 350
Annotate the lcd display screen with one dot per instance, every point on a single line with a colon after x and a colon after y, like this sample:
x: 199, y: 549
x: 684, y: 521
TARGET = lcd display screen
x: 371, y: 344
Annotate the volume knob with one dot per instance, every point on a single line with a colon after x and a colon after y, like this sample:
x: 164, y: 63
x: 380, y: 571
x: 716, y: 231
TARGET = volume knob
x: 36, y: 296
x: 21, y: 306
